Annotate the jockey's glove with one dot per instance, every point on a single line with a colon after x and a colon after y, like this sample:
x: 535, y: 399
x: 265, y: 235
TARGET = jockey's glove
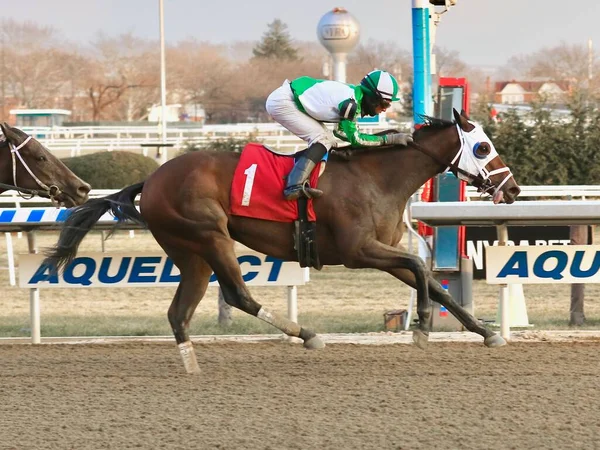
x: 397, y: 139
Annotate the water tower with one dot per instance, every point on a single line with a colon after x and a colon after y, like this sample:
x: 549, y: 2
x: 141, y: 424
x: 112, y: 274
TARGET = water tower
x: 338, y: 31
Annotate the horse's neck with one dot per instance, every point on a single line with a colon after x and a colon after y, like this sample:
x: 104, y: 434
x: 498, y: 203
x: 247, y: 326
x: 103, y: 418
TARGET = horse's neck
x: 5, y: 163
x: 406, y: 170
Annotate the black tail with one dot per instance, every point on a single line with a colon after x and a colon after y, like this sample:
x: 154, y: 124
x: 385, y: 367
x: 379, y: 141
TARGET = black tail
x: 82, y: 218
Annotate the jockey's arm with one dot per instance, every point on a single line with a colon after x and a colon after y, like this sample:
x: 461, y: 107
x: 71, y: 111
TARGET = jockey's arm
x: 339, y: 133
x: 347, y: 130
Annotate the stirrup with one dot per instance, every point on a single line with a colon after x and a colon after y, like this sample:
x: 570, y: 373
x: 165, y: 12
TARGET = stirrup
x: 294, y: 192
x: 311, y: 192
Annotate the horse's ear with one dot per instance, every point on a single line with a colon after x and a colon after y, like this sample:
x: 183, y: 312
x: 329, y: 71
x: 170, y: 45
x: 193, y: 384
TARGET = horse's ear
x: 461, y: 120
x: 9, y: 134
x: 456, y: 115
x: 464, y: 114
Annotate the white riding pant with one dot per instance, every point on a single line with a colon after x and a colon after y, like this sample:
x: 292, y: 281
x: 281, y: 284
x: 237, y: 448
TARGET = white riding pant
x: 282, y: 108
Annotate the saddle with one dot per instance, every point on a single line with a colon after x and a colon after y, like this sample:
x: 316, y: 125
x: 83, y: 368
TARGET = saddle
x: 305, y: 230
x: 257, y: 192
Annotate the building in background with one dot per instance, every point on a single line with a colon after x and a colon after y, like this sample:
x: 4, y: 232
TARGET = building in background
x: 178, y: 113
x: 39, y: 117
x: 524, y: 92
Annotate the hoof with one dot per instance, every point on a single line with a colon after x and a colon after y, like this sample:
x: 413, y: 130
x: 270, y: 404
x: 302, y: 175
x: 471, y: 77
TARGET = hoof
x: 314, y: 343
x: 420, y: 339
x: 193, y: 370
x: 494, y: 341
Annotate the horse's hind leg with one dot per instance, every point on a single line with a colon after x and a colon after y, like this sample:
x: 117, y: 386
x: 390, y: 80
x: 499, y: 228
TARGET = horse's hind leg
x: 195, y: 275
x: 394, y: 260
x: 219, y: 253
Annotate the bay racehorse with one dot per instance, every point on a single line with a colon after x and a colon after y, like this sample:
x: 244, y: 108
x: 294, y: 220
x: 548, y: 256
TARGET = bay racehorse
x: 185, y: 204
x: 27, y: 167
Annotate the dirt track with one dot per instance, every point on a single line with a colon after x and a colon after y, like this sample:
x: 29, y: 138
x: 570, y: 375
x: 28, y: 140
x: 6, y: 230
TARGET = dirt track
x: 279, y: 396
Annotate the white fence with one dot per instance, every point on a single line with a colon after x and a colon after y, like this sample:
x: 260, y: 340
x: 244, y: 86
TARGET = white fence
x: 76, y: 141
x: 581, y: 192
x: 21, y: 208
x: 260, y: 270
x: 12, y: 199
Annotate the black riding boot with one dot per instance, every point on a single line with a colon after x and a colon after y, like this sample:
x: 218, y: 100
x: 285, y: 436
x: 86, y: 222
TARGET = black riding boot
x: 300, y: 174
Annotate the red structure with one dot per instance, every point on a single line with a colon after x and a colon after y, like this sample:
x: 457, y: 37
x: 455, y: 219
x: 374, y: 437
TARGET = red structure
x: 452, y: 93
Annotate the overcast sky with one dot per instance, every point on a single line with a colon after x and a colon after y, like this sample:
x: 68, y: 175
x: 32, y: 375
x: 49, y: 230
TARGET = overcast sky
x: 484, y: 32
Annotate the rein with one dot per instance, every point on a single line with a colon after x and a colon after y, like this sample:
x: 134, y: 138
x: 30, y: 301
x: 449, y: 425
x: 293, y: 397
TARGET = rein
x: 483, y: 185
x: 31, y: 192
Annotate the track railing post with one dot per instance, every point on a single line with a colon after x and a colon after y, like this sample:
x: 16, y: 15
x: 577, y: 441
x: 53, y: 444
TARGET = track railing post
x: 34, y: 297
x: 502, y: 231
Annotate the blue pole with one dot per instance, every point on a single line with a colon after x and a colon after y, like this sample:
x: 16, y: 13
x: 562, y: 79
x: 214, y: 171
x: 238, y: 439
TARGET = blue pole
x: 421, y: 60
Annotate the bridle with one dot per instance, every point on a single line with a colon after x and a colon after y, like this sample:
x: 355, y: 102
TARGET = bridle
x: 48, y: 191
x: 481, y: 181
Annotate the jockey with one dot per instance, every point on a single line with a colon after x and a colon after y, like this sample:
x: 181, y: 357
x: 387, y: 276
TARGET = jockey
x: 305, y: 104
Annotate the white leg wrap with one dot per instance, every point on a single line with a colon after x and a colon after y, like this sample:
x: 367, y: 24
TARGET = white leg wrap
x: 265, y: 315
x: 186, y: 349
x: 287, y: 326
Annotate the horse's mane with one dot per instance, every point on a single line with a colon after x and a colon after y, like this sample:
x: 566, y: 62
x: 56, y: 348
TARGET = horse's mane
x: 429, y: 124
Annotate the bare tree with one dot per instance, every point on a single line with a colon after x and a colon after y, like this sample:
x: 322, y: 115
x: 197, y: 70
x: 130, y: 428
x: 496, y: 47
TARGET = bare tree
x: 120, y: 79
x: 202, y: 74
x: 563, y: 62
x: 256, y: 79
x: 32, y: 64
x: 449, y: 64
x: 517, y: 68
x: 378, y: 55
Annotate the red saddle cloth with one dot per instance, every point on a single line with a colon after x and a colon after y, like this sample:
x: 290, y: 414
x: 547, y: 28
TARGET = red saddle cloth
x: 258, y: 183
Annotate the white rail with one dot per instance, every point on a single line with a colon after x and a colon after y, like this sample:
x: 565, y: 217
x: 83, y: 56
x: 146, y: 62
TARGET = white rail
x: 13, y: 198
x: 76, y: 141
x: 582, y: 192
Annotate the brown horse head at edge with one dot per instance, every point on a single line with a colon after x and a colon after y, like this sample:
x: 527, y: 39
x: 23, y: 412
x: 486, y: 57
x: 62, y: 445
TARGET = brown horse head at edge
x: 27, y: 164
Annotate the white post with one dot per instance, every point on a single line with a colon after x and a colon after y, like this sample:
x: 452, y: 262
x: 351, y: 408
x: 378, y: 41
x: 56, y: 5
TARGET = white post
x: 11, y: 259
x: 504, y: 298
x: 339, y: 66
x: 292, y: 298
x: 34, y: 297
x: 163, y: 85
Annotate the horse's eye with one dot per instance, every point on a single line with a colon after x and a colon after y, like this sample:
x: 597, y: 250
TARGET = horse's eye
x: 42, y: 158
x: 481, y: 150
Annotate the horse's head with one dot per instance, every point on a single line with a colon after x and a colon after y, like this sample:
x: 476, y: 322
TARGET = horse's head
x: 480, y: 164
x: 26, y: 163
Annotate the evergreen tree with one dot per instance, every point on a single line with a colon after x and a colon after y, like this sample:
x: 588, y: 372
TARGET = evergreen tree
x: 276, y: 43
x: 512, y: 139
x: 592, y: 142
x: 580, y: 150
x: 542, y: 149
x: 482, y: 114
x: 550, y: 149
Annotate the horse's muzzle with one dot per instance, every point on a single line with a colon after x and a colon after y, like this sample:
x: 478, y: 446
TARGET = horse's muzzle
x: 511, y: 194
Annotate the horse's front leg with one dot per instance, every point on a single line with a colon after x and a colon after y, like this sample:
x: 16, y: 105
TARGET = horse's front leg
x: 440, y: 295
x: 377, y: 255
